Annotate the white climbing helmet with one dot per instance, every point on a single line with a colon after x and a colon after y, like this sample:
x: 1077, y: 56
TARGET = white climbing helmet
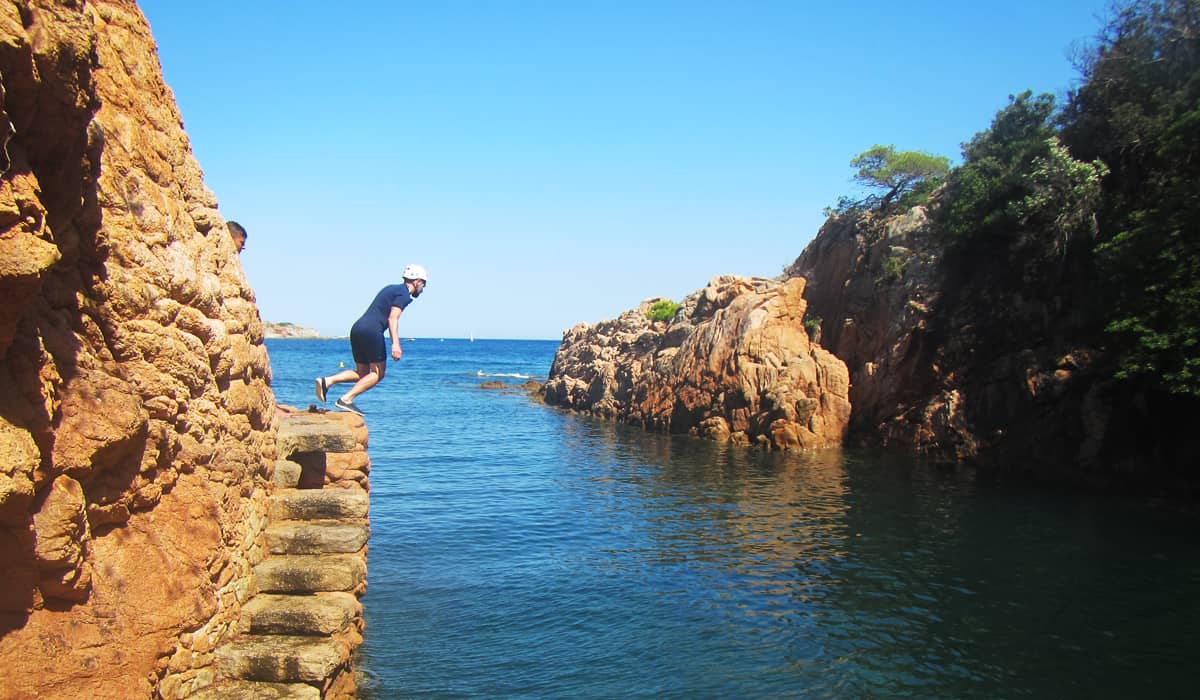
x: 415, y: 272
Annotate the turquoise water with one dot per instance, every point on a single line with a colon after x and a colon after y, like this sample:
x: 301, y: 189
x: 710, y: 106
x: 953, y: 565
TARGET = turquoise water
x: 518, y: 551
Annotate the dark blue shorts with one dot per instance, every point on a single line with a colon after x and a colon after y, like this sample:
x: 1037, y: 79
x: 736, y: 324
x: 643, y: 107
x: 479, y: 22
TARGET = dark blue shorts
x: 366, y: 343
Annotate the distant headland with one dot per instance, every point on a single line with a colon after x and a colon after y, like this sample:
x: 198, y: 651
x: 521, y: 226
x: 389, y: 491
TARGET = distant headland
x: 288, y: 330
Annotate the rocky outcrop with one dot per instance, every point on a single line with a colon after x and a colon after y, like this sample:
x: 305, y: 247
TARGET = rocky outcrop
x: 137, y: 425
x: 288, y: 330
x: 735, y: 364
x: 983, y: 353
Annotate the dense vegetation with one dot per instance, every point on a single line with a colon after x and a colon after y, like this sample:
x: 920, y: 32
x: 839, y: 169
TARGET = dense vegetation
x: 1102, y: 191
x: 1139, y: 112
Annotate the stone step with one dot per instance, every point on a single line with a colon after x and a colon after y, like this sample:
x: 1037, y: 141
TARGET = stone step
x: 319, y: 504
x: 313, y: 433
x: 310, y: 573
x: 317, y: 537
x: 320, y: 614
x: 281, y: 658
x: 247, y: 690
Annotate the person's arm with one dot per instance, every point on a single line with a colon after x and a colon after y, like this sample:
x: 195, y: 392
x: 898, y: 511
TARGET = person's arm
x: 394, y: 331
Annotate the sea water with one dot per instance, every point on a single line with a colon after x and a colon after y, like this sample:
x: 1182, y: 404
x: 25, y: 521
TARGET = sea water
x: 518, y: 551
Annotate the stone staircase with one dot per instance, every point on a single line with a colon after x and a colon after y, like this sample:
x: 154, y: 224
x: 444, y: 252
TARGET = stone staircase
x: 297, y: 634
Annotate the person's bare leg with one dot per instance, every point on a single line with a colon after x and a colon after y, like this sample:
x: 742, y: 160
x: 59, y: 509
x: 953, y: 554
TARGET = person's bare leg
x: 346, y: 375
x: 370, y: 377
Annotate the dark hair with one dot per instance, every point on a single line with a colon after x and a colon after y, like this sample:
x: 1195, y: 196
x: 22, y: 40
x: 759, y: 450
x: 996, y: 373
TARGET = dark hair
x: 236, y: 229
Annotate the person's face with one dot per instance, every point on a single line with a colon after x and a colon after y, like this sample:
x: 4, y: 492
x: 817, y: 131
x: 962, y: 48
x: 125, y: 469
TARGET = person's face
x: 239, y: 242
x: 418, y: 287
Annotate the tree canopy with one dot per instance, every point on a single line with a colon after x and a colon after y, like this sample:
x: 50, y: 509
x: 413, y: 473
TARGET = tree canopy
x: 896, y: 172
x: 1138, y: 110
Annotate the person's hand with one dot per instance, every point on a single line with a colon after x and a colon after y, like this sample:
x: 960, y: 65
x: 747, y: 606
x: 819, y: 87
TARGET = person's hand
x: 396, y: 351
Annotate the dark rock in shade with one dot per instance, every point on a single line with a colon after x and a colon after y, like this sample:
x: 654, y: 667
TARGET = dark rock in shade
x: 988, y: 358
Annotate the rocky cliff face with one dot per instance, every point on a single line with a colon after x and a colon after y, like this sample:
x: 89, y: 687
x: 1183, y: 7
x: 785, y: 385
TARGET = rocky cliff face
x: 135, y: 418
x: 982, y: 356
x: 734, y: 364
x: 875, y: 286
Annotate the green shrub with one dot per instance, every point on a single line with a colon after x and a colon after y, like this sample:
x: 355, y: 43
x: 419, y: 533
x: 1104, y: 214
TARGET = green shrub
x: 662, y: 310
x: 893, y: 268
x: 813, y: 327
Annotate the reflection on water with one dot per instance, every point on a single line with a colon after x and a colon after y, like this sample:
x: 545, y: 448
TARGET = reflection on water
x: 520, y: 552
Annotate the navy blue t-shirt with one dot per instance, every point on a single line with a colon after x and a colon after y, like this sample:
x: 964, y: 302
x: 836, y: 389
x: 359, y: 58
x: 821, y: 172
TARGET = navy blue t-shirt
x: 377, y: 313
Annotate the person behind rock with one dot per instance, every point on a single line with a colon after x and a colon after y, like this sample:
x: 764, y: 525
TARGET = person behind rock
x: 238, y: 233
x: 366, y: 339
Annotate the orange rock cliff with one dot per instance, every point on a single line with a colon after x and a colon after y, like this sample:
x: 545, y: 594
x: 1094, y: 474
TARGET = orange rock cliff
x: 137, y: 424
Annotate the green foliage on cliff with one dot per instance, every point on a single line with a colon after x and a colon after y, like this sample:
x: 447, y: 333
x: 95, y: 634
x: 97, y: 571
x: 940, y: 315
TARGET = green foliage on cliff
x: 813, y: 327
x: 897, y: 172
x: 1138, y: 110
x: 662, y: 311
x: 997, y: 167
x: 1102, y: 192
x: 902, y: 179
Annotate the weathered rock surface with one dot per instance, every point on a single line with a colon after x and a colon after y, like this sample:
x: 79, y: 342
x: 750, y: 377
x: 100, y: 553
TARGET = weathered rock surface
x: 874, y: 287
x: 983, y: 356
x: 282, y: 658
x: 314, y: 433
x: 257, y: 691
x: 316, y: 537
x: 321, y: 613
x: 330, y: 448
x: 303, y: 621
x: 136, y: 423
x: 734, y: 364
x: 311, y: 572
x: 319, y: 504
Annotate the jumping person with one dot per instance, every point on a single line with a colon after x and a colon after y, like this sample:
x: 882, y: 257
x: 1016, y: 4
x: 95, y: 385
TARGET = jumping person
x: 366, y: 339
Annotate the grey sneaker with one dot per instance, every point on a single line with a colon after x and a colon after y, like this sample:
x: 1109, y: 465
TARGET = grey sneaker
x: 348, y: 406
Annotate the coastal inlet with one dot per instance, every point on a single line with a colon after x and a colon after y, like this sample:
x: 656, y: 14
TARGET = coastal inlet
x: 521, y: 551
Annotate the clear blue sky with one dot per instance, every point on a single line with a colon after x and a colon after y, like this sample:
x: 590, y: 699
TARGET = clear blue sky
x: 558, y: 162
